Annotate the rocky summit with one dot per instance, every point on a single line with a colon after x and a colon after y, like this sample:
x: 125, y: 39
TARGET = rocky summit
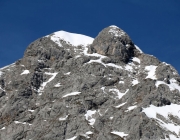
x: 70, y: 86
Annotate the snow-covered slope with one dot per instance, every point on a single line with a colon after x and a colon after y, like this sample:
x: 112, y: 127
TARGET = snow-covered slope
x: 71, y: 38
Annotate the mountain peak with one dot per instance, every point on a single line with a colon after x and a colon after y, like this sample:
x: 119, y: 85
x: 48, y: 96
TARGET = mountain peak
x: 70, y: 86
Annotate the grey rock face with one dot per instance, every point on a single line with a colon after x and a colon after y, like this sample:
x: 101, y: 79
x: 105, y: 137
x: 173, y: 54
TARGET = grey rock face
x: 115, y: 43
x: 107, y: 90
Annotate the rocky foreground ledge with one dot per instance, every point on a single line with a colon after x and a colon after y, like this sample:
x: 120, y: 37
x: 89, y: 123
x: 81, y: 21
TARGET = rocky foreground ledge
x: 73, y: 87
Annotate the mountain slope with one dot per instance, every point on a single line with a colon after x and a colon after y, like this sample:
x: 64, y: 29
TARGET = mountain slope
x: 73, y: 87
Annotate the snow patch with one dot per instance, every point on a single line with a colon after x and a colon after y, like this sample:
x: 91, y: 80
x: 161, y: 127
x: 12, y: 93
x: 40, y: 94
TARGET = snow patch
x: 136, y: 59
x: 100, y: 61
x: 172, y: 137
x: 58, y: 85
x: 71, y: 38
x: 31, y: 110
x: 172, y: 86
x: 63, y: 119
x: 3, y: 128
x: 103, y: 88
x: 96, y: 55
x: 131, y: 108
x: 86, y: 134
x: 89, y: 133
x: 17, y: 122
x: 118, y: 106
x: 111, y: 118
x: 172, y: 109
x: 121, y: 82
x: 68, y: 73
x: 151, y: 71
x: 121, y: 134
x: 119, y: 94
x: 25, y: 72
x: 71, y: 94
x: 73, y: 138
x: 135, y: 82
x: 113, y: 65
x: 128, y: 68
x: 89, y: 116
x: 40, y: 90
x: 1, y: 73
x: 114, y: 26
x: 2, y: 89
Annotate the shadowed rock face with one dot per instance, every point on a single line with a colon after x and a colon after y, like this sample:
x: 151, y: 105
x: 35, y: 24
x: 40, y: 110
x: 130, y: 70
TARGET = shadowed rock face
x: 114, y: 43
x: 105, y: 89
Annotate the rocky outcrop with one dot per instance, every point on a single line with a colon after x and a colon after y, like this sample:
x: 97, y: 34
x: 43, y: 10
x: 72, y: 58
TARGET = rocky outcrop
x: 114, y: 43
x: 99, y: 89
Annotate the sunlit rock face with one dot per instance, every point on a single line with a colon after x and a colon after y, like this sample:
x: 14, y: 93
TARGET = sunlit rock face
x: 70, y: 86
x: 114, y: 43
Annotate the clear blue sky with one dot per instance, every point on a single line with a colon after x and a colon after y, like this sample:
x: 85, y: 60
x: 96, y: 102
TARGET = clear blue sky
x: 153, y: 25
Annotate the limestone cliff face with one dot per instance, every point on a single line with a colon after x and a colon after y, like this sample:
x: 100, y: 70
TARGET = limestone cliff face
x: 72, y: 87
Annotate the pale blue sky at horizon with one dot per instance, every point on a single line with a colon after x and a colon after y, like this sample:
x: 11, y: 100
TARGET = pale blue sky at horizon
x: 153, y: 25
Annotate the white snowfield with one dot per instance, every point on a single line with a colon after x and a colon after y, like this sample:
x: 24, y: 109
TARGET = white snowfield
x: 71, y: 38
x: 165, y: 111
x: 151, y: 71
